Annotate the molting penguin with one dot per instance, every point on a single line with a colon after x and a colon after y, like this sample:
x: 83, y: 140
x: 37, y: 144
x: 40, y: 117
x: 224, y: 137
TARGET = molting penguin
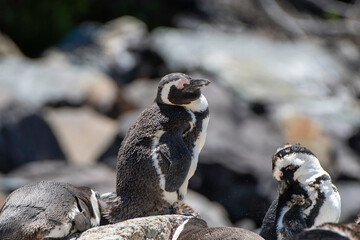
x: 160, y: 151
x: 215, y: 233
x: 48, y: 210
x: 331, y: 231
x: 306, y: 195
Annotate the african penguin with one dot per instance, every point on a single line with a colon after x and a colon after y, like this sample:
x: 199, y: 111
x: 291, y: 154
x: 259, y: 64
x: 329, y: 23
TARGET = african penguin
x: 331, y: 231
x: 215, y: 233
x: 48, y: 210
x: 160, y: 152
x: 306, y: 195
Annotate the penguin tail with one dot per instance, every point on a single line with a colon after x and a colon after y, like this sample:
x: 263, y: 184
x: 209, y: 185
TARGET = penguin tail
x: 112, y: 210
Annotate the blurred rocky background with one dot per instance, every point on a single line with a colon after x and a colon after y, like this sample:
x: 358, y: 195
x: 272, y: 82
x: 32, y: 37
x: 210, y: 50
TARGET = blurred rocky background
x: 74, y: 75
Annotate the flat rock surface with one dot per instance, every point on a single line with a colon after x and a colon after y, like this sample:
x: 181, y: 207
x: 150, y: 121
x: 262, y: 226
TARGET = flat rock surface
x: 83, y: 133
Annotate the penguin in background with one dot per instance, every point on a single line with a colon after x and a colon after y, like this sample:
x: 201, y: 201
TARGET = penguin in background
x: 48, y: 210
x: 306, y: 196
x: 160, y: 151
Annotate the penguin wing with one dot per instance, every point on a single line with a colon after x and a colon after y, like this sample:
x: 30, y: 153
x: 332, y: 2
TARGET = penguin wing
x: 293, y: 220
x: 268, y: 228
x: 82, y: 218
x: 177, y: 157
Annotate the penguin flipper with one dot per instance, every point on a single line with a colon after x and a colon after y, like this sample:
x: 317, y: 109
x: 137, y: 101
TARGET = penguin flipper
x: 293, y: 221
x: 82, y: 222
x: 177, y: 157
x: 82, y: 218
x: 268, y: 228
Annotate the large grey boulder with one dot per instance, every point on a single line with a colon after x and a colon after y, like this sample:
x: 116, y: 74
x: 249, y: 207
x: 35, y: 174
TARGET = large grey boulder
x: 98, y: 177
x: 82, y: 132
x: 118, y: 48
x: 301, y: 76
x: 25, y: 136
x: 52, y: 81
x: 8, y: 47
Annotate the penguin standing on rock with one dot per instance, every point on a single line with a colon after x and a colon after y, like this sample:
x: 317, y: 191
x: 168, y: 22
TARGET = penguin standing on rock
x: 160, y: 151
x: 48, y: 210
x: 307, y: 198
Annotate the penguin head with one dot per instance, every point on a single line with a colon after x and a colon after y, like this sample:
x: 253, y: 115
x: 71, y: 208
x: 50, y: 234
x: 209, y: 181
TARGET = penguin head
x: 180, y: 89
x: 292, y: 162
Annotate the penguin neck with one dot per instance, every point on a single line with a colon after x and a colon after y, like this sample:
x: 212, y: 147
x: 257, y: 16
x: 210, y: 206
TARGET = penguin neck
x: 198, y: 105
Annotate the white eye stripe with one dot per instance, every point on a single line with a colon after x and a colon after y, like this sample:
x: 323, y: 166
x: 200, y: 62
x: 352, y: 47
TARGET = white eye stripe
x: 166, y: 90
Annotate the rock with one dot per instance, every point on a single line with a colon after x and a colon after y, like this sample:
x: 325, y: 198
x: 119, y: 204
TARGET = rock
x: 3, y: 197
x: 232, y: 190
x: 109, y: 156
x: 347, y: 166
x: 142, y: 93
x: 298, y: 76
x: 302, y: 129
x: 303, y: 97
x: 350, y: 206
x: 25, y: 137
x: 119, y: 48
x: 212, y: 212
x: 99, y: 177
x: 35, y: 83
x: 8, y: 47
x: 354, y: 141
x: 83, y: 133
x: 154, y: 227
x: 9, y: 184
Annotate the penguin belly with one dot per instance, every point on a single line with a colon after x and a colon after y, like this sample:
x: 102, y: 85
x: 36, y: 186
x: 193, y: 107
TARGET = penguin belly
x: 330, y: 211
x: 199, y: 144
x: 176, y: 196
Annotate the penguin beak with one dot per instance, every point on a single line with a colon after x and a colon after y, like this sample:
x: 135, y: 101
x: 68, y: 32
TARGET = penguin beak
x: 196, y: 84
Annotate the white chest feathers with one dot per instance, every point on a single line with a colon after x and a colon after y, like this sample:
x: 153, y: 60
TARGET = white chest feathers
x: 196, y: 106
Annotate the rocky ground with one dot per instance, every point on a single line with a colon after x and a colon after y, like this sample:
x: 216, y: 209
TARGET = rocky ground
x: 64, y: 115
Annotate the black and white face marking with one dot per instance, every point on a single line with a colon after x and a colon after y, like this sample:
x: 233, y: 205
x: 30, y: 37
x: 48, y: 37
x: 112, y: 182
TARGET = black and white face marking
x: 180, y: 89
x: 293, y: 162
x: 296, y: 165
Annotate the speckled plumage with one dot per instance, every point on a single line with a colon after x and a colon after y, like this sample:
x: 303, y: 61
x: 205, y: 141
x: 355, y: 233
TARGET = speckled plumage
x: 331, y: 231
x: 48, y: 209
x: 306, y: 196
x: 157, y: 157
x: 219, y: 233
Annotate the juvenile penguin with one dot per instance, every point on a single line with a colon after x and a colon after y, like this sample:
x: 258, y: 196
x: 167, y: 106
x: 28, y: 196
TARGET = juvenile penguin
x: 331, y: 231
x: 215, y: 233
x: 160, y: 151
x: 306, y: 195
x: 48, y: 210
